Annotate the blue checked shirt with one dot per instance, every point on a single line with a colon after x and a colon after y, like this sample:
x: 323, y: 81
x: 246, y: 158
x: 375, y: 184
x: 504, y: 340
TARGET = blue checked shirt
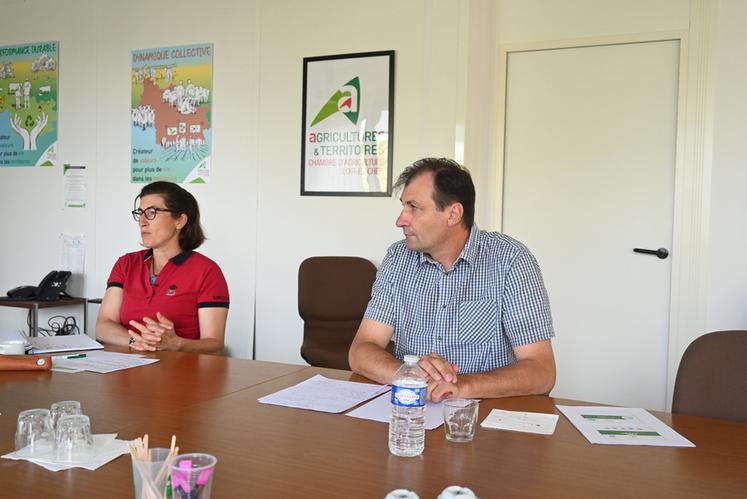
x: 491, y: 300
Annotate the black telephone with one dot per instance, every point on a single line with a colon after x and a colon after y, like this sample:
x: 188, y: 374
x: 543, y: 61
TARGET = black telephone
x: 51, y: 288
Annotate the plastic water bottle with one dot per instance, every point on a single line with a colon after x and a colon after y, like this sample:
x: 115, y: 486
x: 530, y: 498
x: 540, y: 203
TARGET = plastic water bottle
x: 407, y: 424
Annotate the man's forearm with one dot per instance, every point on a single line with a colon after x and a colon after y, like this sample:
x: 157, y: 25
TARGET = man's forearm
x: 373, y: 362
x: 525, y: 377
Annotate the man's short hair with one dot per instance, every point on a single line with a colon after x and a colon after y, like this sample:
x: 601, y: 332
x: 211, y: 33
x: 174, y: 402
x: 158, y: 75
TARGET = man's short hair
x: 452, y: 183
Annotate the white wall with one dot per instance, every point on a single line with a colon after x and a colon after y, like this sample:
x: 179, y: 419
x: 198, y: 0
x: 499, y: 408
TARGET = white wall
x: 259, y: 227
x: 727, y: 287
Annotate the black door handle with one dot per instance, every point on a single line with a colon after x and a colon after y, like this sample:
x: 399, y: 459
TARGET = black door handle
x: 661, y: 252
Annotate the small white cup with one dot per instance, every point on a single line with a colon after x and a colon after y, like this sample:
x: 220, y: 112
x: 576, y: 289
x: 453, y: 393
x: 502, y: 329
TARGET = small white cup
x: 13, y: 347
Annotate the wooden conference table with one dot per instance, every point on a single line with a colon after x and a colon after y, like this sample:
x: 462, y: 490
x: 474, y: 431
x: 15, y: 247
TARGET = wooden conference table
x: 210, y: 404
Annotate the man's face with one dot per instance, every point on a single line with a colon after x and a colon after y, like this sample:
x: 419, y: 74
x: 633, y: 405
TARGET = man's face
x: 424, y: 226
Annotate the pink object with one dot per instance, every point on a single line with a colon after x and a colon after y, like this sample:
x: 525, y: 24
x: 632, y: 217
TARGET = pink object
x: 181, y: 479
x: 204, y: 476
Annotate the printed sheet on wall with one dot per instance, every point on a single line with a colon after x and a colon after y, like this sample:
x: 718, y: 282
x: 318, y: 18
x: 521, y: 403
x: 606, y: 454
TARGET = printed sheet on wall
x: 28, y: 104
x: 171, y: 114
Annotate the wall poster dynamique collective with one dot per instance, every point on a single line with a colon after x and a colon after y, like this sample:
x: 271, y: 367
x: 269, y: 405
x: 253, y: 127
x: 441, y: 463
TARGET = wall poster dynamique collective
x: 171, y: 114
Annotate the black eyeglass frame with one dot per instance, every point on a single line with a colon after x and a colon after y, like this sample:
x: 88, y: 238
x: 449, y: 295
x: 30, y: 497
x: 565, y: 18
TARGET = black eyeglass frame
x: 136, y: 214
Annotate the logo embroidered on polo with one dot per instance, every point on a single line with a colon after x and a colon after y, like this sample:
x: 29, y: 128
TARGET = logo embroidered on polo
x: 171, y: 291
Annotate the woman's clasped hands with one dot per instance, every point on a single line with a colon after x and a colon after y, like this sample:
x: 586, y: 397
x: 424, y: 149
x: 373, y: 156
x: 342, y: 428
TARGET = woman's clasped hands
x: 153, y: 334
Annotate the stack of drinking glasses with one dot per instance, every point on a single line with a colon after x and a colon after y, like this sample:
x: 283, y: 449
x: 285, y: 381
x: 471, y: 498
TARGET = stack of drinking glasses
x: 61, y: 433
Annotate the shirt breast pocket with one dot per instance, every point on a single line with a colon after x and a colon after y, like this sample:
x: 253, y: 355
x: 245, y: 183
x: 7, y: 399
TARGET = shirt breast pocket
x: 478, y: 321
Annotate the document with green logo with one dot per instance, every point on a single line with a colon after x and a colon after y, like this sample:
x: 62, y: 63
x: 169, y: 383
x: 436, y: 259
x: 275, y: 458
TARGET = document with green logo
x: 622, y: 426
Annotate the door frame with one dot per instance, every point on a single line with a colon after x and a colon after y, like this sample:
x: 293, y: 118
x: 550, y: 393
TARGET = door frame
x: 693, y: 164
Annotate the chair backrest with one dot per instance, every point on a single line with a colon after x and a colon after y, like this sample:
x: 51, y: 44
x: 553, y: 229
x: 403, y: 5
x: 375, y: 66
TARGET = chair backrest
x: 333, y: 292
x: 712, y: 377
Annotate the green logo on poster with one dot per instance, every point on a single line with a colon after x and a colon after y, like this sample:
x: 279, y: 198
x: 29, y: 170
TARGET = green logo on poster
x: 346, y: 100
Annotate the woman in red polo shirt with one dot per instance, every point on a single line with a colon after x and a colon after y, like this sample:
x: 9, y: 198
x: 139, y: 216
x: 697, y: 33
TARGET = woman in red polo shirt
x: 167, y: 296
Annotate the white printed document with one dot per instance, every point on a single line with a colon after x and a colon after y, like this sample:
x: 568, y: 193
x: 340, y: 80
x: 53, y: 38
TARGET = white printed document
x: 528, y: 422
x: 622, y: 426
x: 380, y: 409
x: 324, y: 394
x: 64, y: 343
x: 100, y: 362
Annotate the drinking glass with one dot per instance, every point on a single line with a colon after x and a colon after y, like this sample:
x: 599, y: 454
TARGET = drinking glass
x: 192, y: 475
x: 460, y: 419
x: 74, y: 442
x: 64, y: 408
x: 153, y: 472
x: 34, y: 431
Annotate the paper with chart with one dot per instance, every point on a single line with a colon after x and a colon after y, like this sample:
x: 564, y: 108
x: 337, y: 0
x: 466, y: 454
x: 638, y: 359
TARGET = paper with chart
x: 622, y: 426
x: 380, y: 409
x: 324, y: 394
x: 527, y: 422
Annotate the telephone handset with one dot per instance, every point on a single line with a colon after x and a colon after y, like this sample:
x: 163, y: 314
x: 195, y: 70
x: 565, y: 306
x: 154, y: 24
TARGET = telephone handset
x: 49, y: 289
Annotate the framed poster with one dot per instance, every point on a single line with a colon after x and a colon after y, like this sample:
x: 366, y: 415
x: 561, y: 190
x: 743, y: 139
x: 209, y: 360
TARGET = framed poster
x: 346, y: 141
x: 171, y: 114
x: 28, y: 104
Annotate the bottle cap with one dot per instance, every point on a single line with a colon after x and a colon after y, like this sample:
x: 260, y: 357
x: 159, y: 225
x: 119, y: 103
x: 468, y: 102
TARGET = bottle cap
x: 457, y: 492
x: 402, y: 493
x: 412, y: 359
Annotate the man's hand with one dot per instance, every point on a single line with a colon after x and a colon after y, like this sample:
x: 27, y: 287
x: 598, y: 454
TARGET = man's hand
x: 438, y: 369
x: 439, y: 390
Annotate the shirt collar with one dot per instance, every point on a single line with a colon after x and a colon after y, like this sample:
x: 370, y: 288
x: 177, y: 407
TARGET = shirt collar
x: 468, y: 254
x: 177, y: 260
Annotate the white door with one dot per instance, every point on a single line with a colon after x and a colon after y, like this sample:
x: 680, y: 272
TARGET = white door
x: 588, y: 176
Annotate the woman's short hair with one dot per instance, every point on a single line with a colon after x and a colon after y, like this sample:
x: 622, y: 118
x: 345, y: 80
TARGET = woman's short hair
x: 179, y: 200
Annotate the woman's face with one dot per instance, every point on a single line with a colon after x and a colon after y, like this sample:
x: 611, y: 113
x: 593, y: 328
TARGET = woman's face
x: 163, y: 231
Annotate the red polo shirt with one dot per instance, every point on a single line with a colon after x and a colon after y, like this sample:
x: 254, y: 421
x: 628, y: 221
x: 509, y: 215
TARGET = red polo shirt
x: 187, y: 282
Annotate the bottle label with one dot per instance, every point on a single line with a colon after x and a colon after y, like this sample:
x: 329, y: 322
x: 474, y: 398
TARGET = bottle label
x: 409, y: 397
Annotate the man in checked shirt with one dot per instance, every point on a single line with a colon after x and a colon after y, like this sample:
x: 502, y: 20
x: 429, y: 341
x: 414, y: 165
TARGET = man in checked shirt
x: 471, y: 303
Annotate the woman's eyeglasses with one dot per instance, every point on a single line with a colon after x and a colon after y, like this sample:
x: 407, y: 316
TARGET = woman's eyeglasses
x: 150, y: 213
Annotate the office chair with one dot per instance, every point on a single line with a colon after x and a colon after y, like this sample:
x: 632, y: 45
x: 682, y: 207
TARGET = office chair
x: 333, y: 292
x: 712, y: 377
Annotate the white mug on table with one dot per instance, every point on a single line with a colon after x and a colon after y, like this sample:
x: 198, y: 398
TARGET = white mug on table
x: 12, y: 347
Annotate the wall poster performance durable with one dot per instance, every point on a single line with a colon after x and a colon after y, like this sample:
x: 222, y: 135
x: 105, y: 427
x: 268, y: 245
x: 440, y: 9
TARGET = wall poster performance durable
x: 346, y: 142
x: 171, y: 114
x: 28, y: 104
